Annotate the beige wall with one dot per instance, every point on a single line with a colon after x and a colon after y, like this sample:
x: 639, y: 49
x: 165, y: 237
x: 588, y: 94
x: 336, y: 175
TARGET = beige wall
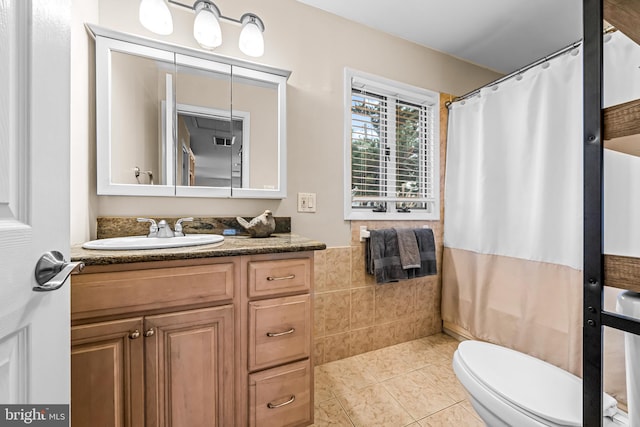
x: 84, y: 202
x: 315, y: 46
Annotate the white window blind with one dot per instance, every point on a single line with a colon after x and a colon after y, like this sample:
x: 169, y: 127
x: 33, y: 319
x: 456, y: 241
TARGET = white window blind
x: 393, y: 150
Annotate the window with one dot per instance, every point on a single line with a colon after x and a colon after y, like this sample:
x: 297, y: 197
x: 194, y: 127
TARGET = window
x: 391, y: 150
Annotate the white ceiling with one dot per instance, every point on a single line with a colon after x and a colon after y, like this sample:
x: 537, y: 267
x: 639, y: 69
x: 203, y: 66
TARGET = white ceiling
x: 502, y: 35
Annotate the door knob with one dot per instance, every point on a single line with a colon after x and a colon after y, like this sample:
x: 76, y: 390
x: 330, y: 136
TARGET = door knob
x: 52, y: 271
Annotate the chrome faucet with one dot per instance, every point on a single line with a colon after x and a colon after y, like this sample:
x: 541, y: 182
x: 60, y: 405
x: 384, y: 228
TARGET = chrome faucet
x: 178, y: 226
x: 162, y: 229
x: 153, y: 228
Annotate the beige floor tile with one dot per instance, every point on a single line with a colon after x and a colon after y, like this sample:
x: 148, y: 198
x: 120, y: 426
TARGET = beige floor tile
x: 330, y: 413
x: 469, y: 408
x: 417, y: 394
x: 442, y: 344
x: 445, y: 379
x: 453, y: 416
x: 345, y: 375
x: 382, y: 364
x: 394, y: 386
x: 374, y: 406
x: 323, y: 385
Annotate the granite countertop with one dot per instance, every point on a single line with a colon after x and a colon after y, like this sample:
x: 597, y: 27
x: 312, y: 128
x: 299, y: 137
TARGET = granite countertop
x: 231, y: 246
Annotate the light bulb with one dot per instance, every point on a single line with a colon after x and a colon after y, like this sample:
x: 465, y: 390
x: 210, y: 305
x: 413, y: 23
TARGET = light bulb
x: 251, y: 40
x: 206, y: 28
x: 154, y: 15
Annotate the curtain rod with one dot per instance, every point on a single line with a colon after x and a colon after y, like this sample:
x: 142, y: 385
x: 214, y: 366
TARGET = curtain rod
x: 515, y: 73
x: 608, y: 30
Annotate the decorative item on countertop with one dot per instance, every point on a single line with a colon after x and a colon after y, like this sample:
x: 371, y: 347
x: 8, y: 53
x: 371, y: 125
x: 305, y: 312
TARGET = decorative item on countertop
x: 260, y: 226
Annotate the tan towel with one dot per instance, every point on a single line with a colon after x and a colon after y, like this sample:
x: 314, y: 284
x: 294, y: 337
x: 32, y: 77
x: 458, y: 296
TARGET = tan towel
x: 408, y: 246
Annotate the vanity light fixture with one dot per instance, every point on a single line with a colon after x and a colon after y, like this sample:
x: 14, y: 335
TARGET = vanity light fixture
x: 206, y: 25
x: 156, y: 17
x: 251, y: 41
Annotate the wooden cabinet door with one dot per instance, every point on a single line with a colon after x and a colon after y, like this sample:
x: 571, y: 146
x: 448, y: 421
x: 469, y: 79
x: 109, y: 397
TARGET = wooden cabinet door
x: 189, y: 367
x: 107, y: 374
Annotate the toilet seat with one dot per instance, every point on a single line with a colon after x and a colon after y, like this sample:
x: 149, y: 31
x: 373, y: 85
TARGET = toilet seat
x: 541, y: 390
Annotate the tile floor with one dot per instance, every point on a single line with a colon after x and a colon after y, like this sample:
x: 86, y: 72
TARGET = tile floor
x: 409, y: 384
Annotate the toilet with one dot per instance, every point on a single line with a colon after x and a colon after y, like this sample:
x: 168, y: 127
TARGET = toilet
x: 508, y: 388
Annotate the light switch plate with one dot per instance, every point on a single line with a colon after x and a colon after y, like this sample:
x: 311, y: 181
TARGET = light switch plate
x: 306, y: 202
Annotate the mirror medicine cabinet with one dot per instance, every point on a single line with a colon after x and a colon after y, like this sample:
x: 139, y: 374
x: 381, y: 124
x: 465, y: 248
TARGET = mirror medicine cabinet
x: 175, y: 121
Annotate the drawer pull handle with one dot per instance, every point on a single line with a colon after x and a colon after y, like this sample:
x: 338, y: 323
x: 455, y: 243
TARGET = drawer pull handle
x: 149, y: 332
x: 135, y: 334
x: 279, y: 334
x: 280, y: 405
x: 272, y: 279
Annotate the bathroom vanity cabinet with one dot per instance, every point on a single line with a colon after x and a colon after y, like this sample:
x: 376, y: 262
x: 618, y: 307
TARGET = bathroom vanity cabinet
x: 154, y: 346
x: 277, y: 305
x: 217, y: 341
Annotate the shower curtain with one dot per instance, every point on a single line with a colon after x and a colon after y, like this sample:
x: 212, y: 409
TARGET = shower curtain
x: 513, y: 210
x: 513, y: 213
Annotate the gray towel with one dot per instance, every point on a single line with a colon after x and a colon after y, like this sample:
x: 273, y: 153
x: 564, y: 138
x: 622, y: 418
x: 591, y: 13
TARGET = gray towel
x: 408, y: 247
x: 427, y: 249
x: 383, y: 256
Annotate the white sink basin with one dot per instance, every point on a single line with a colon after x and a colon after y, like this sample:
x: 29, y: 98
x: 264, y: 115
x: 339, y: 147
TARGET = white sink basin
x: 144, y: 242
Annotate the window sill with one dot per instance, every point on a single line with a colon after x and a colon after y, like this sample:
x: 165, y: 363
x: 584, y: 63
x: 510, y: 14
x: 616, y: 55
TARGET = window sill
x: 391, y: 216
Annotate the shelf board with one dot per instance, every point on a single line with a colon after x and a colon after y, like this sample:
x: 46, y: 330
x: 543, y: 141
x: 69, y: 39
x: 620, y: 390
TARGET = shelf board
x: 623, y: 119
x: 622, y: 272
x: 624, y: 15
x: 627, y: 145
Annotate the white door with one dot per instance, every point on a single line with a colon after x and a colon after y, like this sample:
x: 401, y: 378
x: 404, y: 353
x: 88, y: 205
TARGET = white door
x: 34, y: 198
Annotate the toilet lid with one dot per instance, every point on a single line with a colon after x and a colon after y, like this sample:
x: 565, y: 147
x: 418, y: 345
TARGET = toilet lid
x: 529, y: 383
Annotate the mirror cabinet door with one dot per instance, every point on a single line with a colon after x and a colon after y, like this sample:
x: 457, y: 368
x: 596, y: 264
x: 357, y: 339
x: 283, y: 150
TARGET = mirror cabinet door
x: 134, y: 91
x: 204, y: 139
x: 257, y: 98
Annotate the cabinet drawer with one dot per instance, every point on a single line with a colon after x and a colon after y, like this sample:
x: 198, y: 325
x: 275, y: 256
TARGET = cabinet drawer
x: 279, y: 276
x: 281, y: 396
x: 279, y: 331
x: 103, y: 294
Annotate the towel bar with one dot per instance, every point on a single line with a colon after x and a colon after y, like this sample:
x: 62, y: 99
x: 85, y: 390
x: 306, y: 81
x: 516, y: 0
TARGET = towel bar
x: 365, y: 234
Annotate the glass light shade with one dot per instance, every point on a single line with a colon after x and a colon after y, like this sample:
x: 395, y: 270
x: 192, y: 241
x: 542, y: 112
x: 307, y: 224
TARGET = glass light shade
x: 206, y: 29
x: 154, y: 15
x: 251, y: 40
